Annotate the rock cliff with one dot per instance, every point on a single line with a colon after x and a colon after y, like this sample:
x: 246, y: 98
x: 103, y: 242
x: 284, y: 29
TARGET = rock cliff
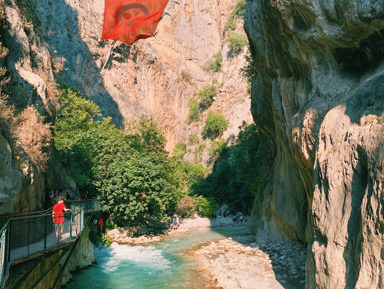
x: 53, y: 42
x: 146, y: 79
x: 317, y: 97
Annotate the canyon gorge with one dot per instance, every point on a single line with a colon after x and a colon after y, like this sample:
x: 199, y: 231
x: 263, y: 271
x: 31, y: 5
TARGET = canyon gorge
x: 317, y: 97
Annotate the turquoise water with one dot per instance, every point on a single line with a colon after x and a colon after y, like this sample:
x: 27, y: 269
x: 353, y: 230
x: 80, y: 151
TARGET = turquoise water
x: 159, y: 266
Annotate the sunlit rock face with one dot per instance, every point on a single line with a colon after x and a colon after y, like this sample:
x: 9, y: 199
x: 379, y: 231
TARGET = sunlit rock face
x: 318, y: 99
x: 145, y: 79
x: 59, y: 42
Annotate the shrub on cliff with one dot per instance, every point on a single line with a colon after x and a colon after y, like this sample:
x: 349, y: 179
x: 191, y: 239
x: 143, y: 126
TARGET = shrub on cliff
x: 193, y: 115
x: 214, y: 64
x: 237, y: 42
x: 237, y: 13
x: 215, y: 125
x: 179, y: 151
x: 206, y: 96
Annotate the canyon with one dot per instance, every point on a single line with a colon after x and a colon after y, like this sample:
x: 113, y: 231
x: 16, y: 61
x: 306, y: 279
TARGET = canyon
x: 317, y: 89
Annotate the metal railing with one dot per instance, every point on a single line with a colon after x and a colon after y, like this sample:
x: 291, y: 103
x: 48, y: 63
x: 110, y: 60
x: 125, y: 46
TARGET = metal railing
x: 4, y: 252
x: 31, y: 233
x: 90, y: 205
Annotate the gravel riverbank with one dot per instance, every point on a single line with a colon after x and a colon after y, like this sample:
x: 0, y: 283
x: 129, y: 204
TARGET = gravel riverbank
x: 249, y: 262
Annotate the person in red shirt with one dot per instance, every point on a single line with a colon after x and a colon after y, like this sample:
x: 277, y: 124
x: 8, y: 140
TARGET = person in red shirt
x: 58, y: 217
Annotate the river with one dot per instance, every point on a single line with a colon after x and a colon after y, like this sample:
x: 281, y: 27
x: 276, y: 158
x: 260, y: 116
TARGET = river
x: 162, y: 265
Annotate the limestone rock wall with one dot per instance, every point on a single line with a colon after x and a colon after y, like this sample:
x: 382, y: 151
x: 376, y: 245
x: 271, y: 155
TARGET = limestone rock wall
x: 53, y: 42
x: 145, y: 79
x: 318, y: 99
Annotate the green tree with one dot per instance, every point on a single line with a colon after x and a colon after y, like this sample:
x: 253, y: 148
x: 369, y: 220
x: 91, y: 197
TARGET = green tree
x: 75, y: 115
x: 128, y: 169
x: 215, y: 125
x: 146, y: 136
x: 138, y: 188
x: 206, y: 206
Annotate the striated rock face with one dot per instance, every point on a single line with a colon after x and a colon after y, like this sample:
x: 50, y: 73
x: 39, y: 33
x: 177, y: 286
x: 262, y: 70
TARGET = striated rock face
x: 318, y: 99
x: 59, y: 42
x: 21, y: 182
x: 145, y: 79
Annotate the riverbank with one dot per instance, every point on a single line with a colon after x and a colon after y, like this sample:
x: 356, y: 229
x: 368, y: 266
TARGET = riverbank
x: 124, y: 235
x: 246, y: 262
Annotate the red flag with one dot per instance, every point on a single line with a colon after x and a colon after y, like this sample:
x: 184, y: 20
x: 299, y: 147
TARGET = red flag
x: 130, y: 20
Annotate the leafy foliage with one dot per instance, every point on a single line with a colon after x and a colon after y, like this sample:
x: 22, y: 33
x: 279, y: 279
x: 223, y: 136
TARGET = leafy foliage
x: 237, y: 42
x: 75, y: 115
x: 215, y: 63
x: 186, y: 76
x: 206, y: 96
x: 217, y: 147
x: 129, y: 170
x: 205, y: 206
x: 249, y: 70
x: 193, y: 115
x: 237, y: 12
x: 215, y: 125
x: 193, y: 139
x: 186, y: 208
x: 179, y: 151
x: 239, y: 173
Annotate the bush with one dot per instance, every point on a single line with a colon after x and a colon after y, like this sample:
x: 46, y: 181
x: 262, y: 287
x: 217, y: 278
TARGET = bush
x: 186, y: 76
x: 206, y: 96
x: 193, y: 115
x: 237, y: 12
x: 179, y: 151
x: 215, y: 63
x: 215, y: 125
x: 34, y: 135
x: 186, y: 208
x: 237, y: 42
x: 205, y: 206
x: 199, y: 152
x: 249, y: 70
x: 217, y: 148
x: 193, y: 139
